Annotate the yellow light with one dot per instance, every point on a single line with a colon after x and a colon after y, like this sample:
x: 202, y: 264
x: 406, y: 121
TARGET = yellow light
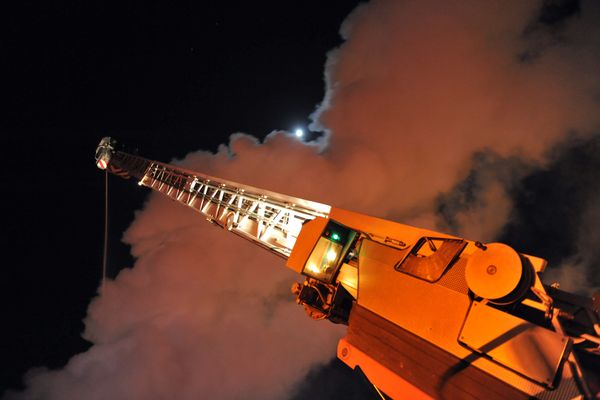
x: 331, y: 255
x: 313, y: 268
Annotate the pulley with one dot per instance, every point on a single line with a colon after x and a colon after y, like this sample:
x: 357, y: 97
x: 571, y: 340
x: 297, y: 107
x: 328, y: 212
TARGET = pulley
x: 496, y: 272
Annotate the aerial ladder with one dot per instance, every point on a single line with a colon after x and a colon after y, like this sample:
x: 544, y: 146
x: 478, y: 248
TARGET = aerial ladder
x: 429, y: 315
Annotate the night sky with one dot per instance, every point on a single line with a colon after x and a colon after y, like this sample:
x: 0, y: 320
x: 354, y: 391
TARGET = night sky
x: 163, y: 77
x: 167, y: 78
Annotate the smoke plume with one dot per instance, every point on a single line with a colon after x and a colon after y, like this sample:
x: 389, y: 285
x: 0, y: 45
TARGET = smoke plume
x: 434, y: 114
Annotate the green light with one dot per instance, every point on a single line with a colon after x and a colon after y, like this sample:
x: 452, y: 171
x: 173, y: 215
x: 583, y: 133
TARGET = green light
x: 335, y: 236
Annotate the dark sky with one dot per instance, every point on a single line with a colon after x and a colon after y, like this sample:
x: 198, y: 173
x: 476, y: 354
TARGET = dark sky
x: 165, y: 77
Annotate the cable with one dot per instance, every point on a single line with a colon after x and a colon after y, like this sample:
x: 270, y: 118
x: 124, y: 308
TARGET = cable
x: 105, y: 250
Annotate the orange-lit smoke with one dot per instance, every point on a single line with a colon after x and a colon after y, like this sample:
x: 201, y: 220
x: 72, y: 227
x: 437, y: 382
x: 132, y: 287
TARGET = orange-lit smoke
x: 417, y: 88
x: 422, y: 85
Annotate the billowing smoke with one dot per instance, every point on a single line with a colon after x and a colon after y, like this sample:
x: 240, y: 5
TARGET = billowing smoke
x: 422, y: 86
x: 557, y: 214
x: 435, y: 114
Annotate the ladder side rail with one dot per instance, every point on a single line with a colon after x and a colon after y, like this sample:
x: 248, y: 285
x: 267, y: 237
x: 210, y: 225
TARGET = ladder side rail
x: 270, y: 223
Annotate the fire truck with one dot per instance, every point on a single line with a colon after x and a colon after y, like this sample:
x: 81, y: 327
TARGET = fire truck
x: 429, y: 315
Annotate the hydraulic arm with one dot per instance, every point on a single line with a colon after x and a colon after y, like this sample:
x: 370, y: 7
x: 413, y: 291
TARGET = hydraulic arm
x: 429, y: 315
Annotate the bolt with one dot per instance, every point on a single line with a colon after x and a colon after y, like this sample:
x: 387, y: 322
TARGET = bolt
x: 481, y: 246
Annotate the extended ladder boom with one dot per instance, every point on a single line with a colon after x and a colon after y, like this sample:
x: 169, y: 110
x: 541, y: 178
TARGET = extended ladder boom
x: 269, y: 219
